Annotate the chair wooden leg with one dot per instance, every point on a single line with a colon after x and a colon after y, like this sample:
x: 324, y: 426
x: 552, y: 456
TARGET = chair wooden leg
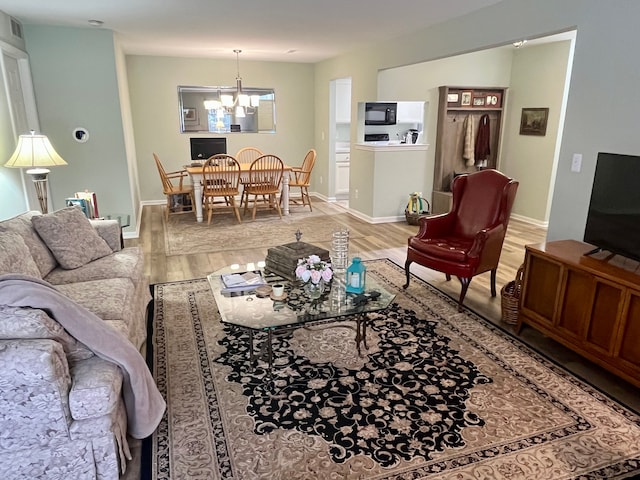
x: 255, y: 207
x: 277, y: 205
x: 306, y: 194
x: 235, y: 209
x: 465, y: 285
x: 493, y: 282
x: 246, y: 203
x: 406, y: 270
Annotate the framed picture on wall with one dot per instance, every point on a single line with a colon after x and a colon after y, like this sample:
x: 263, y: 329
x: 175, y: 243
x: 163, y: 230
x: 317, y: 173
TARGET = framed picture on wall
x: 190, y: 114
x: 465, y: 99
x: 534, y: 121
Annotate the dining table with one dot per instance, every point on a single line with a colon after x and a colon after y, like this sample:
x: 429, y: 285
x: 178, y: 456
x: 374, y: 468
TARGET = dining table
x: 196, y: 175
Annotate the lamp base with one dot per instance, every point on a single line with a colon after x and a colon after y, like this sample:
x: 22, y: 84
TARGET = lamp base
x: 40, y: 179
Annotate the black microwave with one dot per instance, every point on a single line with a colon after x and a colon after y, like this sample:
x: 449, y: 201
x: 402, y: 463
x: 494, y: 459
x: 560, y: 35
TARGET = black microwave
x: 380, y: 113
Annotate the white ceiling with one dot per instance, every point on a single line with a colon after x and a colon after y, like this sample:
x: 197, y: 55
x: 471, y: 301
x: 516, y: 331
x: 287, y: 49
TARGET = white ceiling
x: 305, y: 31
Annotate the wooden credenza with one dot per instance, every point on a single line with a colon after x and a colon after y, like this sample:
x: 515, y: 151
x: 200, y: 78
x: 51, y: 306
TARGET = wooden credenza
x: 589, y: 304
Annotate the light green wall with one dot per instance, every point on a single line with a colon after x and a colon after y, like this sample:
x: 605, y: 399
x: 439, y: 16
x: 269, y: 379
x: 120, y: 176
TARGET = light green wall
x: 153, y: 83
x: 420, y: 82
x: 537, y: 80
x: 598, y: 116
x: 75, y: 83
x: 361, y: 67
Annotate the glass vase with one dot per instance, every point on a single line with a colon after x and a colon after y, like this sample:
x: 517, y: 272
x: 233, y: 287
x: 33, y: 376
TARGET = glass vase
x: 340, y: 249
x: 314, y: 290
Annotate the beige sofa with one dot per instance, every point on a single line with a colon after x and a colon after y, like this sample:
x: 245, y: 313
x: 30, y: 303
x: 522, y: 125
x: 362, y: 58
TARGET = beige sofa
x: 61, y: 409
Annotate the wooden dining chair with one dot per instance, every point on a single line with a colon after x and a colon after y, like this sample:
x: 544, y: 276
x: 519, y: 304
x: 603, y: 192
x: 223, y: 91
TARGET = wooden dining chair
x: 220, y: 179
x: 173, y: 185
x: 302, y: 179
x: 265, y: 177
x: 248, y: 155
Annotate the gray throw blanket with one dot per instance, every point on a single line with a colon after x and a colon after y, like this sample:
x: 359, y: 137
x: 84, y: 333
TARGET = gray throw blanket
x: 144, y: 403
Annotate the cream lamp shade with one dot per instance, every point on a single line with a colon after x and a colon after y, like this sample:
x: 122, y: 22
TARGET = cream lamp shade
x: 36, y: 153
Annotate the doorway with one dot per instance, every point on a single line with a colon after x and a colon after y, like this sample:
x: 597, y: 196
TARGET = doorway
x: 339, y: 140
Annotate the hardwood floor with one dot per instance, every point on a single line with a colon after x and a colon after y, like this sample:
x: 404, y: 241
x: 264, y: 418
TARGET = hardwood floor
x: 388, y: 240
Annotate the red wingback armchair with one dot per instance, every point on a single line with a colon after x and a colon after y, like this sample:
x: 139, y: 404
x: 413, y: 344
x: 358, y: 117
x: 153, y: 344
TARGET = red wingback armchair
x: 468, y: 240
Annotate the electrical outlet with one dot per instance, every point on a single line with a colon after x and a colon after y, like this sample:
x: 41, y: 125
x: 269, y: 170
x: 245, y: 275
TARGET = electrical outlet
x: 320, y: 179
x: 576, y: 162
x: 355, y: 194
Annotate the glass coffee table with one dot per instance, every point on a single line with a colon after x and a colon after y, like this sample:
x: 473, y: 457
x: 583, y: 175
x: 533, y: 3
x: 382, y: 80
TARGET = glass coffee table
x: 296, y: 308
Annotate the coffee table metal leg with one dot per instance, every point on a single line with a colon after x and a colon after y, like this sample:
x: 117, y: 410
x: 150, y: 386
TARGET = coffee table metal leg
x: 361, y: 331
x: 252, y: 356
x: 270, y: 350
x: 365, y: 318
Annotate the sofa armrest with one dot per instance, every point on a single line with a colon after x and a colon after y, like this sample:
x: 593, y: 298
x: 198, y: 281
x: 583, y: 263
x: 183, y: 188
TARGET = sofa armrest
x: 24, y: 323
x: 109, y: 230
x: 95, y: 389
x: 34, y: 398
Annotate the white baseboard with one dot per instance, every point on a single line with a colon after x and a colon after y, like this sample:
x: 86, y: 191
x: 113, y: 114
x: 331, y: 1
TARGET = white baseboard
x: 357, y: 214
x: 530, y: 220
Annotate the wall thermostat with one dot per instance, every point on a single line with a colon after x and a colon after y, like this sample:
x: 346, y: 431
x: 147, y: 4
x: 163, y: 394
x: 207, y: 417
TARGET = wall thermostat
x: 81, y: 135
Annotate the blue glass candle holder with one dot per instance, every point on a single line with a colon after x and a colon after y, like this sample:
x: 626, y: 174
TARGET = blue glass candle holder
x: 356, y: 276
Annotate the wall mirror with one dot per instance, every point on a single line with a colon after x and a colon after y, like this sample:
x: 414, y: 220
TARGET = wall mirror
x: 225, y: 110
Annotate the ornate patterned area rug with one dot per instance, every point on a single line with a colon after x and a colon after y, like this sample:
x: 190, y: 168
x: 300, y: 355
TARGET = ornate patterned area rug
x: 183, y: 234
x: 438, y: 395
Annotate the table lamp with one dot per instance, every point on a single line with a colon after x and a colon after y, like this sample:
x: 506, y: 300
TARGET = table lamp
x: 35, y: 152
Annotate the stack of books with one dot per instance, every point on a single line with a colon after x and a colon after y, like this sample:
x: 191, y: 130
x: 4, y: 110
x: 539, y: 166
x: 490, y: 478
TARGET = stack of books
x: 86, y: 201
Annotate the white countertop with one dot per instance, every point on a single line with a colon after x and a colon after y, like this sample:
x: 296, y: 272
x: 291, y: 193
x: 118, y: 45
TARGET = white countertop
x: 391, y: 146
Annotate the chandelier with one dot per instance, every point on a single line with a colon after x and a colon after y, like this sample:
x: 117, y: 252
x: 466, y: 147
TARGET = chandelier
x: 238, y: 103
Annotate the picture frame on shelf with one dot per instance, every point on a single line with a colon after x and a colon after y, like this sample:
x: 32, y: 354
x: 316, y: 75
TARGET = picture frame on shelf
x: 453, y: 99
x: 534, y: 121
x: 465, y: 99
x: 478, y: 102
x: 493, y: 100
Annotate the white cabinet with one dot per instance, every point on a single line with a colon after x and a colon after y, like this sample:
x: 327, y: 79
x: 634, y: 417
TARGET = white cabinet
x: 343, y: 100
x: 342, y: 173
x: 410, y: 112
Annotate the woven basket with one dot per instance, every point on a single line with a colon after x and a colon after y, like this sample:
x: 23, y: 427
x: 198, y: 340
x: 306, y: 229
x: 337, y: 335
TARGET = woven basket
x: 413, y: 217
x: 510, y: 294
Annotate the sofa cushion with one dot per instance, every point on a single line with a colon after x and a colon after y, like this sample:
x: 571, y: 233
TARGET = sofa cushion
x: 126, y: 263
x: 26, y: 323
x: 15, y: 256
x: 110, y: 299
x: 39, y: 251
x: 70, y: 236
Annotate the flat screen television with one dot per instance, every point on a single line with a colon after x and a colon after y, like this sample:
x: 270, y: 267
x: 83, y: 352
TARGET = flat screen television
x: 613, y: 219
x: 203, y: 148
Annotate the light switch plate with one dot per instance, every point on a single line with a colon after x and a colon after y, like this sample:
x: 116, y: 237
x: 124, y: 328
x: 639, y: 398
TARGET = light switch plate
x: 576, y: 162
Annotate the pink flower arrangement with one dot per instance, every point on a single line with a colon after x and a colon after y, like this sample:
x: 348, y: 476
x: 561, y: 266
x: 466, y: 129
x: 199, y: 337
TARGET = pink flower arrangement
x: 313, y: 268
